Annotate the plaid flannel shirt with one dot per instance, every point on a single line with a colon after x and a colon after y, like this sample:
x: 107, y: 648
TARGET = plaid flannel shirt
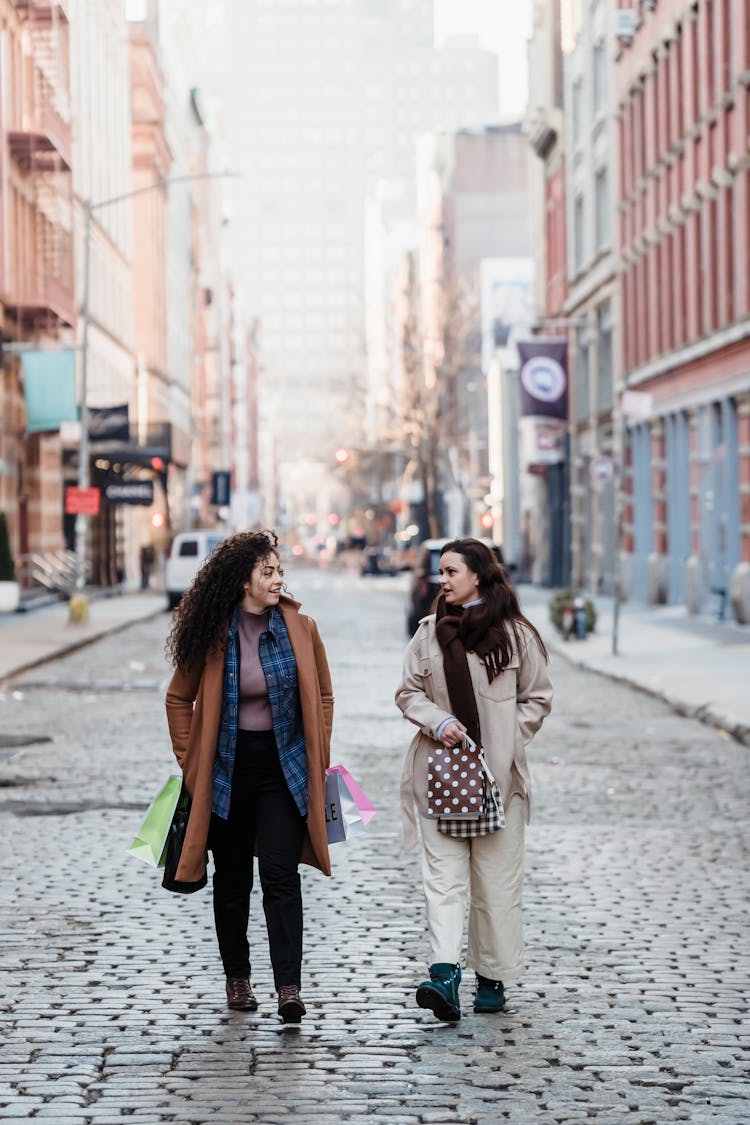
x: 280, y: 670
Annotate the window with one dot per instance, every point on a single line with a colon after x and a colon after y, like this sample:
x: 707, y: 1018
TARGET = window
x: 582, y: 372
x: 601, y: 204
x: 600, y: 77
x: 578, y: 232
x: 604, y: 374
x: 577, y: 113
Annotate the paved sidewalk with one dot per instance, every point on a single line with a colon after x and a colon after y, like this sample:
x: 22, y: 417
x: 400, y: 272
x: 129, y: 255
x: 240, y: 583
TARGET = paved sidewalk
x: 29, y: 639
x: 699, y: 666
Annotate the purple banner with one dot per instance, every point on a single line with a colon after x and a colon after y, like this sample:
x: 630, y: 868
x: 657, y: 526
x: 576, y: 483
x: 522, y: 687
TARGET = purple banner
x: 544, y: 379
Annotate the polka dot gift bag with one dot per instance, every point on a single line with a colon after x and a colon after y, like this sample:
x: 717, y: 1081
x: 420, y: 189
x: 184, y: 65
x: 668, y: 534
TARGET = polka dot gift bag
x: 461, y: 791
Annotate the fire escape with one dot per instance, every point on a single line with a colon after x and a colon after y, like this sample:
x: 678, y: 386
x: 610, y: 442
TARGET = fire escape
x: 40, y: 286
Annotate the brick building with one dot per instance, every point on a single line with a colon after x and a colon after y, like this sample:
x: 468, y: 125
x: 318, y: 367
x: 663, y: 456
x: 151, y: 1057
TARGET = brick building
x: 682, y: 74
x: 37, y: 305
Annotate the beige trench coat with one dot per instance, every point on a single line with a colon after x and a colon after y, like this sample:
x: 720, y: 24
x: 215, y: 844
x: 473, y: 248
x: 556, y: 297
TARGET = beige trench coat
x: 511, y: 710
x: 194, y: 701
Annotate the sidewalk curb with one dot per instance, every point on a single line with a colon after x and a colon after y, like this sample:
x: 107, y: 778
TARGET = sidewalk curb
x: 703, y: 712
x: 74, y: 646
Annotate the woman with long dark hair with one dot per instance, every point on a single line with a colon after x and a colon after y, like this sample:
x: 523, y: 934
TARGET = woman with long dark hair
x: 250, y: 709
x: 475, y: 667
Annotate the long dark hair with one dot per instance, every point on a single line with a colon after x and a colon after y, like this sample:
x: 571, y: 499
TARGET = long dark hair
x: 200, y: 622
x: 501, y: 606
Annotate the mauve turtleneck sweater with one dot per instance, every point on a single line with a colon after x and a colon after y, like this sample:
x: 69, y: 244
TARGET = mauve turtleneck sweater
x: 254, y: 708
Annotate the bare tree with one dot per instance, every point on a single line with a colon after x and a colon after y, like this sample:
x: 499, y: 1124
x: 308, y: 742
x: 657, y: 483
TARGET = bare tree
x: 443, y: 393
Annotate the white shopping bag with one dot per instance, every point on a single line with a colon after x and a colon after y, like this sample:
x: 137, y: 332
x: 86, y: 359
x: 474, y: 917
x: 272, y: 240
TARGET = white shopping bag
x: 348, y: 810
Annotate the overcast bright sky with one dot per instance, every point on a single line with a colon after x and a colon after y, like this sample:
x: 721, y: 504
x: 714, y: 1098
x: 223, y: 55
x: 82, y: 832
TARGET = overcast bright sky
x: 504, y: 27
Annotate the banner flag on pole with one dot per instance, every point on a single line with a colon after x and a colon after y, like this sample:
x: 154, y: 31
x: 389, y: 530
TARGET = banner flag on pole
x: 544, y: 378
x: 49, y: 384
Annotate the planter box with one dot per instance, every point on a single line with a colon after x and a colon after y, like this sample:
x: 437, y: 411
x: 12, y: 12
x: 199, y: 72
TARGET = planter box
x: 10, y: 593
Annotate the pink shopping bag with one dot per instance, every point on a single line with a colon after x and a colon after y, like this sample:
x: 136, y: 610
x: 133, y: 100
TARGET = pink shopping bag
x: 348, y: 809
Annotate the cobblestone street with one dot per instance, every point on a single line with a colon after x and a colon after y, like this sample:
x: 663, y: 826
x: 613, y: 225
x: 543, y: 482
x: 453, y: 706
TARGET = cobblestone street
x: 633, y: 1006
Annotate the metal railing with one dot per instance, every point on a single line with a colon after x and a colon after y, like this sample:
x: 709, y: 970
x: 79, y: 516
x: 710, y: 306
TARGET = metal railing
x: 54, y: 570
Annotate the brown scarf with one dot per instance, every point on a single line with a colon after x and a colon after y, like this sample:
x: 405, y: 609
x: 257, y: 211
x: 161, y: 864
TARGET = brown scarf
x: 460, y: 631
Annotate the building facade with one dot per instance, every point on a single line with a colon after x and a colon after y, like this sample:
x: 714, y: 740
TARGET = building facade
x: 95, y: 247
x: 590, y: 305
x: 546, y: 554
x: 37, y: 299
x: 683, y: 206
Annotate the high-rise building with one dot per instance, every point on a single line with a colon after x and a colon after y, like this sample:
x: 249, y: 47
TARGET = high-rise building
x: 325, y: 99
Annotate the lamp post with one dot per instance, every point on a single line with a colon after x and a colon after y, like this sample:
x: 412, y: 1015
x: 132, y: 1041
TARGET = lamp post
x: 84, y: 476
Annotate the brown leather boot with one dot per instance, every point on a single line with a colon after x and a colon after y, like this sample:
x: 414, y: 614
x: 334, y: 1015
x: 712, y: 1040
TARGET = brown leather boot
x: 240, y: 995
x: 291, y: 1008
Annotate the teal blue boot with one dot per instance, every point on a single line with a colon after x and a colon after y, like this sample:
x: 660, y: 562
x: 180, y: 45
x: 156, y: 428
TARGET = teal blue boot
x: 489, y: 996
x: 440, y: 993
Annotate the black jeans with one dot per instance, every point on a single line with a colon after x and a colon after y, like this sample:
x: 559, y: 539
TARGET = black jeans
x: 262, y: 812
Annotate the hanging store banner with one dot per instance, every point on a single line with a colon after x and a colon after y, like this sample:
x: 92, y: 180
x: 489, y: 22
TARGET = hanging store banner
x: 544, y: 379
x: 109, y: 423
x: 49, y: 387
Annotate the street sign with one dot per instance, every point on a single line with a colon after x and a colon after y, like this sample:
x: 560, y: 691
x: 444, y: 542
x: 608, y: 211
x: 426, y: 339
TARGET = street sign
x: 601, y: 469
x: 220, y: 488
x: 130, y: 492
x: 81, y: 501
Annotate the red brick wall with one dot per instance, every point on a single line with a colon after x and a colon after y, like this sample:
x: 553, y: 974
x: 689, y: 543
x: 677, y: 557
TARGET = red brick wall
x: 556, y: 287
x: 683, y: 122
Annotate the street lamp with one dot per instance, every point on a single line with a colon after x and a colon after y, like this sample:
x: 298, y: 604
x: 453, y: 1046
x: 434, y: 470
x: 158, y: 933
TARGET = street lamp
x: 84, y: 476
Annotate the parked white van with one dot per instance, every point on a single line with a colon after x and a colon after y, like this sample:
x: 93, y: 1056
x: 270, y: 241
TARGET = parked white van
x: 188, y: 552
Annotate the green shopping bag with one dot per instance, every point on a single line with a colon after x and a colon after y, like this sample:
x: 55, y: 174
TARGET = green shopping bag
x: 150, y: 842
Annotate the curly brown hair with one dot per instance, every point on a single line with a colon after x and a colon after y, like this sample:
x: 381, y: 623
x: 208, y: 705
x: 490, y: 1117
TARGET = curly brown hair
x: 200, y: 621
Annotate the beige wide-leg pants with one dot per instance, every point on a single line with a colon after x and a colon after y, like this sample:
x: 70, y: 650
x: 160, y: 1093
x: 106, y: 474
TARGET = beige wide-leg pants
x: 488, y: 871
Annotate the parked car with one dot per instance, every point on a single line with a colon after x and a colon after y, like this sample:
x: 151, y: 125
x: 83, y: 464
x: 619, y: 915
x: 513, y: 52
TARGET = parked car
x: 425, y: 581
x: 187, y: 553
x: 382, y: 560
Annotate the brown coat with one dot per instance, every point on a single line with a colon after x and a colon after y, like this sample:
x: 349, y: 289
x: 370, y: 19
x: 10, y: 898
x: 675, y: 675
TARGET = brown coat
x: 194, y: 702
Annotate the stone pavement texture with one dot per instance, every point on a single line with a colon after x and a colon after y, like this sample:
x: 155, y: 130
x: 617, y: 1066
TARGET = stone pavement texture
x: 634, y: 1004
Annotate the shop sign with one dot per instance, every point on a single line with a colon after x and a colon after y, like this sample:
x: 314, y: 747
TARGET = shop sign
x: 541, y: 442
x: 82, y: 501
x: 130, y: 492
x: 602, y: 469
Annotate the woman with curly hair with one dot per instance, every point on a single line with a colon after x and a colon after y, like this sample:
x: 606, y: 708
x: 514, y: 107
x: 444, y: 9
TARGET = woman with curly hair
x: 250, y: 709
x: 474, y: 667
